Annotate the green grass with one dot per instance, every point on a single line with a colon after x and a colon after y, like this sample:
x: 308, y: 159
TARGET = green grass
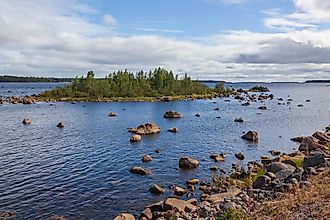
x: 259, y: 173
x: 298, y: 162
x: 230, y: 214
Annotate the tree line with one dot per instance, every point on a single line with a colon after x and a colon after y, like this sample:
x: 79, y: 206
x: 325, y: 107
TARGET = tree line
x: 159, y: 82
x: 33, y: 79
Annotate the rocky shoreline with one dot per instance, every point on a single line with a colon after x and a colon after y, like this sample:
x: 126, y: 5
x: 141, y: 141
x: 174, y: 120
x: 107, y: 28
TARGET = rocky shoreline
x: 241, y: 192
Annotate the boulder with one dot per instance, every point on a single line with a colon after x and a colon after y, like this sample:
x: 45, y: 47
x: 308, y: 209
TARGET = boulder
x: 310, y: 143
x: 262, y: 108
x: 135, y: 138
x: 178, y: 205
x: 238, y: 120
x: 7, y: 214
x: 240, y: 156
x: 60, y: 125
x: 146, y: 158
x: 178, y: 191
x: 284, y: 174
x: 140, y: 170
x: 147, y: 214
x: 197, y: 115
x: 26, y: 121
x: 188, y: 163
x: 156, y: 189
x: 232, y: 191
x: 316, y: 159
x: 125, y: 216
x: 275, y: 152
x: 172, y: 114
x: 192, y: 181
x: 113, y: 114
x: 251, y: 136
x: 147, y: 129
x: 278, y: 166
x: 217, y: 157
x: 173, y: 130
x: 261, y: 182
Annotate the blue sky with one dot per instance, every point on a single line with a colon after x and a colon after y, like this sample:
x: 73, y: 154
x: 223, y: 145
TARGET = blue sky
x: 233, y: 40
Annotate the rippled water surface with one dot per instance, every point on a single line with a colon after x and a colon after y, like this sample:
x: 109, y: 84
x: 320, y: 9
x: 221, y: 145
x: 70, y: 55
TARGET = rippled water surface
x: 82, y: 170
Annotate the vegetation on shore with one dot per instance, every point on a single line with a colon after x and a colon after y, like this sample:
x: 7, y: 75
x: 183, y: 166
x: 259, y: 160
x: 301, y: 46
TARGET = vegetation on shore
x: 125, y: 85
x: 33, y: 79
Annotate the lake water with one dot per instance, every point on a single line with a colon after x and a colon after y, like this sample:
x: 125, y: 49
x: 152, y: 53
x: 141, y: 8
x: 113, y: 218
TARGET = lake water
x: 82, y: 170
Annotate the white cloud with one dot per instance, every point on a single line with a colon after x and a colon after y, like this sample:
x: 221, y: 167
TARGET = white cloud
x: 317, y: 10
x: 53, y: 38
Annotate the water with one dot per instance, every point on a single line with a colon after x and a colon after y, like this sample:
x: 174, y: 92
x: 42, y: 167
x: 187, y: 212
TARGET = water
x: 23, y: 89
x: 82, y: 170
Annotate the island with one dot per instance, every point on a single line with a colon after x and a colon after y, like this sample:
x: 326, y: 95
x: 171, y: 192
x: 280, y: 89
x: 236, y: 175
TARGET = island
x: 160, y: 84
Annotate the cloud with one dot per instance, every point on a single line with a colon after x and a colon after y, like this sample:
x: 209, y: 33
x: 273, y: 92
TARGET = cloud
x: 109, y: 20
x: 57, y: 39
x: 316, y: 10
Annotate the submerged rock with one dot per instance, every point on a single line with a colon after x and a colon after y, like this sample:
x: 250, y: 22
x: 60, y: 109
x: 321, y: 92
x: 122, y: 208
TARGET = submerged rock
x: 197, y: 115
x: 251, y: 136
x: 135, y: 138
x: 140, y: 170
x: 113, y: 114
x: 172, y: 114
x: 238, y: 120
x: 173, y: 130
x: 240, y: 156
x: 146, y: 158
x: 60, y: 125
x: 26, y: 121
x: 192, y: 181
x: 188, y: 163
x: 262, y: 108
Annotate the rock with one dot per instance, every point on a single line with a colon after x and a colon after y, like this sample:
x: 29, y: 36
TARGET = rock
x: 125, y: 216
x: 240, y: 156
x: 229, y: 205
x: 178, y: 191
x: 232, y: 191
x: 275, y: 152
x: 310, y: 143
x: 271, y: 175
x: 60, y: 125
x: 26, y: 121
x: 300, y: 105
x: 132, y: 130
x: 147, y: 129
x: 278, y: 166
x: 321, y: 137
x: 251, y: 136
x: 157, y: 151
x: 140, y: 170
x: 192, y: 181
x: 217, y: 157
x: 216, y: 109
x: 156, y: 189
x: 27, y: 101
x: 7, y: 214
x: 197, y: 115
x: 238, y: 120
x: 284, y: 174
x: 56, y: 217
x: 261, y: 182
x: 178, y: 205
x: 214, y: 168
x: 188, y: 163
x: 172, y: 114
x: 113, y: 114
x: 173, y: 130
x: 308, y: 100
x: 147, y: 214
x: 155, y: 207
x: 316, y: 159
x: 193, y: 201
x: 146, y: 158
x: 297, y: 139
x: 246, y: 104
x: 262, y: 108
x: 135, y: 138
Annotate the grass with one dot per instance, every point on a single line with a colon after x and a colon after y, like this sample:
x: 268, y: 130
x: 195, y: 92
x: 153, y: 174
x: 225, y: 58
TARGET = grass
x: 298, y: 162
x: 230, y: 214
x: 260, y: 172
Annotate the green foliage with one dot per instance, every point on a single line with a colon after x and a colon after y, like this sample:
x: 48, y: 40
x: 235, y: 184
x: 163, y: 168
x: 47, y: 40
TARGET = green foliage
x: 260, y: 172
x: 230, y: 214
x: 259, y: 89
x: 126, y: 84
x: 33, y: 79
x: 220, y: 87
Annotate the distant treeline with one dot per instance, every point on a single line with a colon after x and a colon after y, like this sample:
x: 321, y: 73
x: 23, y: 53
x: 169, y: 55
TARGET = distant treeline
x: 159, y: 82
x: 33, y: 79
x: 318, y: 81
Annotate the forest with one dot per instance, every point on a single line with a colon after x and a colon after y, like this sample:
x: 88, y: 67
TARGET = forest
x: 33, y: 79
x: 159, y: 82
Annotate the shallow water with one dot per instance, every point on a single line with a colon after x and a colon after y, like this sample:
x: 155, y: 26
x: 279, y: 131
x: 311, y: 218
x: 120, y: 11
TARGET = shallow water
x: 82, y: 170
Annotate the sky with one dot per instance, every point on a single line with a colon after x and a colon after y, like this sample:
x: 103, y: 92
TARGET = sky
x: 232, y: 40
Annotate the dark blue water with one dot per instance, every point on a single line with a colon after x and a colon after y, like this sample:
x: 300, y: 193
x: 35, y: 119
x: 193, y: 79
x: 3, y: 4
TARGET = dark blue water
x: 23, y: 89
x: 82, y: 170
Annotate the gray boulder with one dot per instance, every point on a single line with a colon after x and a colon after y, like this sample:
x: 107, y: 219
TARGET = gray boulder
x: 261, y: 182
x: 316, y: 159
